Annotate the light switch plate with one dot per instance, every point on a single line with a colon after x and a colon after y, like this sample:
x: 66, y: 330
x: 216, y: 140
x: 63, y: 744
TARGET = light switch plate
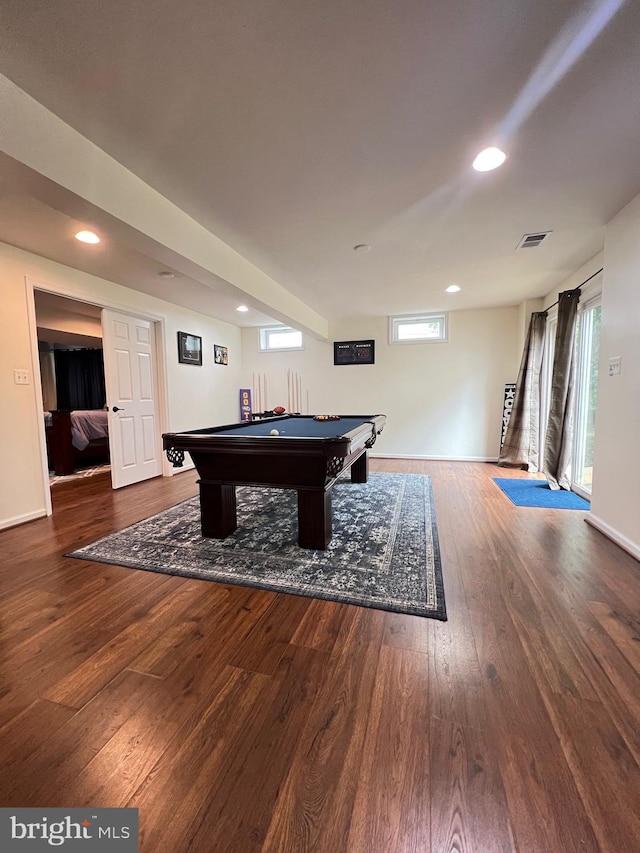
x: 615, y: 366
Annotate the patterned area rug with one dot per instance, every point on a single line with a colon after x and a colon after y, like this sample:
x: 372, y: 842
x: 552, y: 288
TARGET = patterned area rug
x: 384, y: 552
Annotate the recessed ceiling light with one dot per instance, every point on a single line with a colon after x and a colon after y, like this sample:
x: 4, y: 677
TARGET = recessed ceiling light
x: 87, y: 237
x: 166, y: 274
x: 362, y: 247
x: 453, y: 288
x: 489, y: 159
x: 242, y: 308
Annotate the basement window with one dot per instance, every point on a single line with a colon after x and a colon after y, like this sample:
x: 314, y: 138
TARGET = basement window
x: 418, y: 328
x: 278, y: 338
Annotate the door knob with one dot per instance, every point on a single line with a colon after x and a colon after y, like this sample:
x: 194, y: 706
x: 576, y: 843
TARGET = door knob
x: 116, y: 409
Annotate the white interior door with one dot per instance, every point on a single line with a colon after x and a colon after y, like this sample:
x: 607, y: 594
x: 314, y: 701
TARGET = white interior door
x: 130, y: 376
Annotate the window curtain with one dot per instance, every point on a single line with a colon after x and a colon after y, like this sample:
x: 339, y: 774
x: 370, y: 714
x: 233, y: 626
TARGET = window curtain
x: 521, y: 442
x: 80, y: 379
x: 557, y: 444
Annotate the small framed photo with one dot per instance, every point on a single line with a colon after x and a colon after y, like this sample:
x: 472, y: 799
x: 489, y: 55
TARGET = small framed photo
x: 354, y: 352
x: 189, y: 348
x: 220, y: 354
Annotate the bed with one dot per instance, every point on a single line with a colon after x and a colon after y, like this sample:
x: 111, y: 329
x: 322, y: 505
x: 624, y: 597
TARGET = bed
x: 76, y: 439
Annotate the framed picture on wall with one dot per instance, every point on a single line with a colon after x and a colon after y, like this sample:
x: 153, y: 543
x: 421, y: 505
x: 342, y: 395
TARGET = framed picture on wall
x: 354, y: 352
x: 189, y: 348
x: 220, y: 354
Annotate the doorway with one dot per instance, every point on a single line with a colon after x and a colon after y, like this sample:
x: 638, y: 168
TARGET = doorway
x: 153, y: 378
x: 72, y: 379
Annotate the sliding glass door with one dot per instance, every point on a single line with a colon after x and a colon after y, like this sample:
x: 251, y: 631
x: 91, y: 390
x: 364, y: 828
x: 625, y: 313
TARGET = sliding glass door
x: 588, y: 351
x: 546, y: 375
x: 586, y: 389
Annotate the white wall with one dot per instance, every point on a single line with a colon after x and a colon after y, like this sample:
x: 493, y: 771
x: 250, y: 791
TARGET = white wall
x: 616, y: 485
x: 196, y: 396
x: 586, y: 271
x: 442, y: 400
x: 526, y: 309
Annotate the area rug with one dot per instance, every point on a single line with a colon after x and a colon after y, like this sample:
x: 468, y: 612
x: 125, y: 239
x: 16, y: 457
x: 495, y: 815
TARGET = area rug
x: 537, y: 493
x: 384, y: 552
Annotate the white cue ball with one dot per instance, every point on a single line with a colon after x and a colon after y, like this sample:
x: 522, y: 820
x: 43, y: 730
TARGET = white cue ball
x: 274, y: 432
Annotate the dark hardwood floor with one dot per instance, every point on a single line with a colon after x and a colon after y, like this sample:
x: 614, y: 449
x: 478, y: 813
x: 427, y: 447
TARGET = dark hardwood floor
x: 240, y: 720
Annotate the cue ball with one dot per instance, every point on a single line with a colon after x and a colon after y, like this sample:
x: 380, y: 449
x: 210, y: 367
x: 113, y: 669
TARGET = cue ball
x: 274, y: 432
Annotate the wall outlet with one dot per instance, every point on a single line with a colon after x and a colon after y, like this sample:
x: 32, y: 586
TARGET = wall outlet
x: 615, y: 366
x: 21, y: 377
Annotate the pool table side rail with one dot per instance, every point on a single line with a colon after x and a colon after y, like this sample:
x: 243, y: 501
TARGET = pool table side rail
x: 344, y: 445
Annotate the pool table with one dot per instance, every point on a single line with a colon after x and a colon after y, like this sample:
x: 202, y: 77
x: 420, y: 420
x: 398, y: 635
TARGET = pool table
x: 306, y: 455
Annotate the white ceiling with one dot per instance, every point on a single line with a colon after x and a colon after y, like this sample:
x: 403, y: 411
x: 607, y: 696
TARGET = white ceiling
x: 295, y: 130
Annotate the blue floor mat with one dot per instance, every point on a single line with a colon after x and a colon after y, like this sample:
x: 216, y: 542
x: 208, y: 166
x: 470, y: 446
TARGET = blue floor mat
x: 537, y: 493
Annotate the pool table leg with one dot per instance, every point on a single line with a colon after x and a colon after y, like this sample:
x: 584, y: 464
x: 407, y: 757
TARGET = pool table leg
x: 360, y: 469
x: 314, y: 518
x: 217, y: 510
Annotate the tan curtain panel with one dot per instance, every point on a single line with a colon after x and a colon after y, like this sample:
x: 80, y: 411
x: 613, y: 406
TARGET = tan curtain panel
x: 557, y: 444
x: 521, y: 442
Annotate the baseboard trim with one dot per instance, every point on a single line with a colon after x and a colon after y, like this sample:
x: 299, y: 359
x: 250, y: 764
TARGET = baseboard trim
x: 611, y: 533
x: 22, y: 519
x: 433, y: 458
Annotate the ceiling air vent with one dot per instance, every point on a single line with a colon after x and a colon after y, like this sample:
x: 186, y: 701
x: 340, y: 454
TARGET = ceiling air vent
x: 531, y: 241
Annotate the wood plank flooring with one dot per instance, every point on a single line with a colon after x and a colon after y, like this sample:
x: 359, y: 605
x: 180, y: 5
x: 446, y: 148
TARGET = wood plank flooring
x: 239, y: 720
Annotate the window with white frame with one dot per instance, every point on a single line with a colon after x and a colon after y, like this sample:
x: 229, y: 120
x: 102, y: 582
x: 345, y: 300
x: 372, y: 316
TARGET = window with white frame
x: 418, y: 328
x: 276, y: 338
